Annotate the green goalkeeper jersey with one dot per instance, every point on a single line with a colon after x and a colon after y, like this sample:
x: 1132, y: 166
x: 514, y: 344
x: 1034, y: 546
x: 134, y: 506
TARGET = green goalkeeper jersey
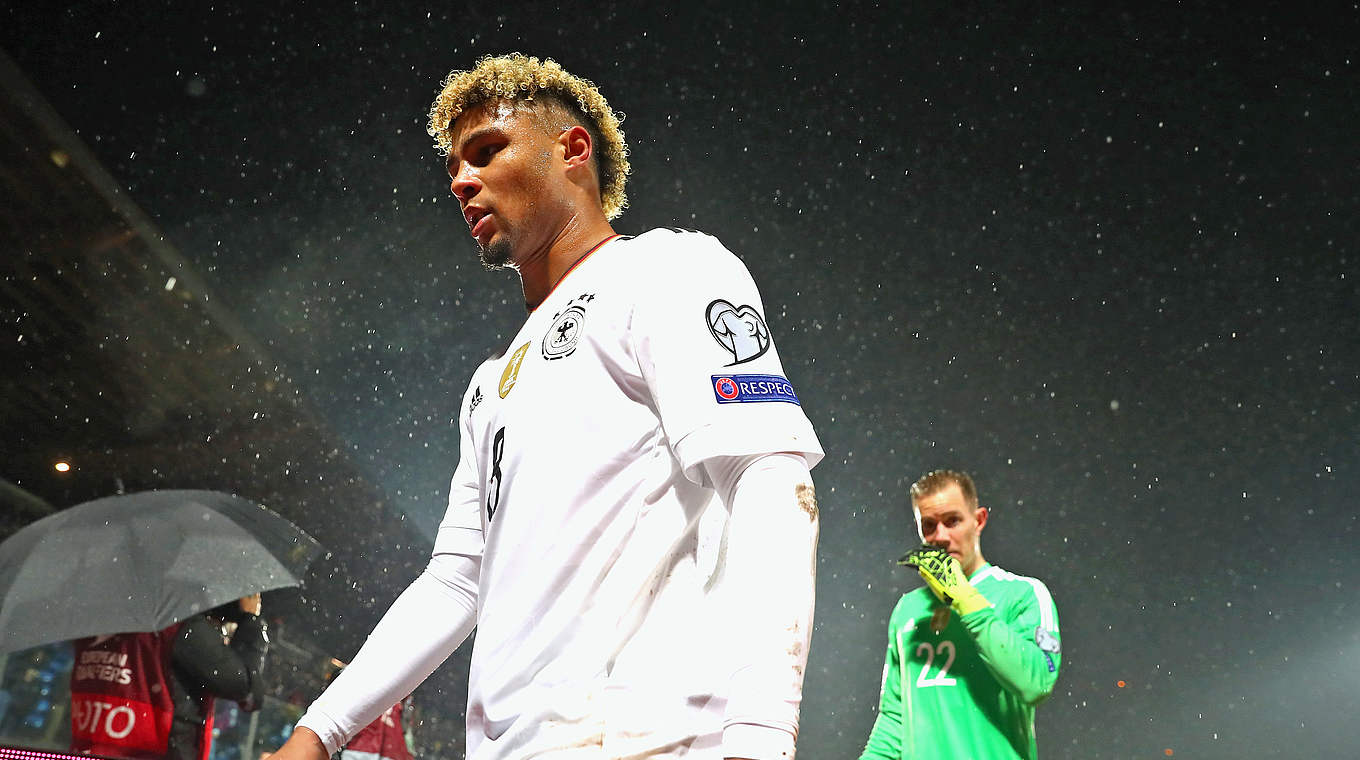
x: 965, y: 688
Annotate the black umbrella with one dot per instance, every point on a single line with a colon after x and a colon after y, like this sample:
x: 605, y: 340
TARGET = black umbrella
x: 141, y: 562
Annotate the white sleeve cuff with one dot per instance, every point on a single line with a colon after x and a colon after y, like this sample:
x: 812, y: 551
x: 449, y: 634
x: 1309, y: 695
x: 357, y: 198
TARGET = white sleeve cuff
x: 421, y: 629
x: 748, y: 740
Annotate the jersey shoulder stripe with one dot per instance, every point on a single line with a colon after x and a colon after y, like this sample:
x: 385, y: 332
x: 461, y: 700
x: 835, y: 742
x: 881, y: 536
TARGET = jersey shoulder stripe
x: 672, y: 238
x: 682, y: 259
x: 1047, y: 619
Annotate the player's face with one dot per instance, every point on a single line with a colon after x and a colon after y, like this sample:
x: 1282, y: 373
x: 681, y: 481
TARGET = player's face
x: 945, y: 519
x: 501, y: 172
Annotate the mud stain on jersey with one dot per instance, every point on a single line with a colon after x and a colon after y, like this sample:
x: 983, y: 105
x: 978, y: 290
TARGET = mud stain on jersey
x: 807, y: 499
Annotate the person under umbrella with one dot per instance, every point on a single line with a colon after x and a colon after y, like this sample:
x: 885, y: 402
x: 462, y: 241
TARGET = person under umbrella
x: 150, y: 696
x: 142, y: 562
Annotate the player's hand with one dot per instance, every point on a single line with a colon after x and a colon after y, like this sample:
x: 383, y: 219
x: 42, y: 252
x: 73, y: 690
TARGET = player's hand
x: 944, y: 576
x: 302, y: 745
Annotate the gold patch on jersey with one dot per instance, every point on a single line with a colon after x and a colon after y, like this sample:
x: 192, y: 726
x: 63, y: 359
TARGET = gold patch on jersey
x: 511, y: 373
x: 940, y: 619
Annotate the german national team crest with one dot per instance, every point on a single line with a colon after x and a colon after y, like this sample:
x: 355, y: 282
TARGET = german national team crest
x: 739, y: 329
x: 561, y: 338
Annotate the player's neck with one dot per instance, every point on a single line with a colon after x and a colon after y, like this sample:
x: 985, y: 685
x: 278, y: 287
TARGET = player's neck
x: 978, y: 564
x: 540, y: 273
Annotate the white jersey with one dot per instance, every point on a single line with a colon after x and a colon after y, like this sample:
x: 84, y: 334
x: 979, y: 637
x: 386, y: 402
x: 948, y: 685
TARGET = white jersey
x: 580, y: 487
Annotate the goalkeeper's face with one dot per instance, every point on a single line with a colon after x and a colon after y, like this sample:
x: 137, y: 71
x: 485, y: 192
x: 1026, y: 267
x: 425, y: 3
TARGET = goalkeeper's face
x: 945, y: 519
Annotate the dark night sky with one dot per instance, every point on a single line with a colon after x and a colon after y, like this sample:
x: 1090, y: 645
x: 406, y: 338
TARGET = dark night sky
x: 1103, y: 259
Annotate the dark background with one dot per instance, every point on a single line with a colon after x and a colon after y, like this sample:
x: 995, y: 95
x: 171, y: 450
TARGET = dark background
x: 1103, y: 258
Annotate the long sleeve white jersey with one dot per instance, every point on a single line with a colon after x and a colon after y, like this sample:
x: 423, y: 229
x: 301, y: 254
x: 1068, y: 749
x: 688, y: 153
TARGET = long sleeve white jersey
x: 581, y: 503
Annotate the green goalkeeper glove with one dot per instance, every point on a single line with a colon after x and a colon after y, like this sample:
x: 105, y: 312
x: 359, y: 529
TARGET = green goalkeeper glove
x: 944, y: 575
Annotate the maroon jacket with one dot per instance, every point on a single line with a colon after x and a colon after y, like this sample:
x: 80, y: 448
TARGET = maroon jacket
x: 383, y: 738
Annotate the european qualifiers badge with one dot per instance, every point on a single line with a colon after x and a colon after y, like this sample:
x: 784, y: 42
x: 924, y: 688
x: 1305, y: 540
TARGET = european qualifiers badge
x: 739, y: 329
x: 748, y: 389
x: 560, y: 340
x: 1049, y: 645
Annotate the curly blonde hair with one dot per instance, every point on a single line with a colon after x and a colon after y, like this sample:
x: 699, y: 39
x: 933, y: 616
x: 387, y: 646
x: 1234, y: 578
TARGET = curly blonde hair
x: 521, y: 77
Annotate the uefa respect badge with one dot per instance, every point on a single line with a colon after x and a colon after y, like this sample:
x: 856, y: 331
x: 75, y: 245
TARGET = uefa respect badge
x: 749, y: 389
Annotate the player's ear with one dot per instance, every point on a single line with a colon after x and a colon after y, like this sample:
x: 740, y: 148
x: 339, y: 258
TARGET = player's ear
x: 980, y: 514
x: 576, y: 146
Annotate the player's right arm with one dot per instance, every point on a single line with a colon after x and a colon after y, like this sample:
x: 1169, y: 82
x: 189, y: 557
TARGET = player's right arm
x: 885, y: 740
x: 422, y: 628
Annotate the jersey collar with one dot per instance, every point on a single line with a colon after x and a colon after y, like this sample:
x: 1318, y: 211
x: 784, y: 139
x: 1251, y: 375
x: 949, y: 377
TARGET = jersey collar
x: 572, y: 268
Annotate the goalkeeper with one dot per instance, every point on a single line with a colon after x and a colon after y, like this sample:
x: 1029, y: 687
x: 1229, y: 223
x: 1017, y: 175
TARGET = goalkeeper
x: 972, y: 652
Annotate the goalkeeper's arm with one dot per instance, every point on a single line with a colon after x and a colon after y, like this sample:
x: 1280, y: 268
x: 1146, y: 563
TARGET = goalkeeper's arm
x: 1006, y: 641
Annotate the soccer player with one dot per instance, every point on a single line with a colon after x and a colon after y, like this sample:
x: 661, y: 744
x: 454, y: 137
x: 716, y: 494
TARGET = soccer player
x: 631, y: 525
x: 972, y: 652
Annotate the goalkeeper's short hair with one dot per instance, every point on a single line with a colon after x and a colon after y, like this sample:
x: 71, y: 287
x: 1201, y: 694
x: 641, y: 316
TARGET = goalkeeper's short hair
x: 938, y: 480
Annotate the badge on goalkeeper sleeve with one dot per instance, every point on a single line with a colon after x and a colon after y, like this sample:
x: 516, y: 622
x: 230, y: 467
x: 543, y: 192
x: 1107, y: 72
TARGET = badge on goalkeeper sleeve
x: 944, y: 576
